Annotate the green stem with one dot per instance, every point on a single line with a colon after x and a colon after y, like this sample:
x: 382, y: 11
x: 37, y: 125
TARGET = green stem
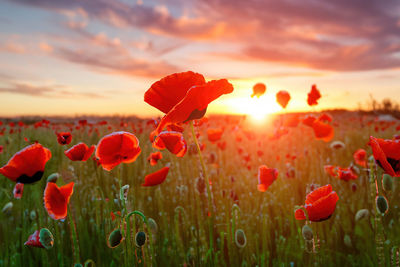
x: 210, y: 208
x: 74, y: 237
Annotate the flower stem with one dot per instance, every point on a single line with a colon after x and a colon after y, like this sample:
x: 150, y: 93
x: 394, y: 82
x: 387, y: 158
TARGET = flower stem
x: 209, y: 197
x: 75, y: 244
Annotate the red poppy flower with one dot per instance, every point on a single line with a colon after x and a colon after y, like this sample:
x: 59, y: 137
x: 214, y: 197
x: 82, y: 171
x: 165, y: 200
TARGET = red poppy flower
x: 387, y: 154
x: 346, y: 174
x: 154, y: 158
x: 320, y: 204
x: 309, y: 120
x: 34, y: 240
x: 27, y: 165
x: 157, y: 177
x: 291, y: 121
x: 64, y: 138
x: 313, y: 96
x: 360, y: 157
x: 325, y: 117
x: 175, y: 128
x: 18, y: 190
x: 222, y: 145
x: 116, y: 148
x: 283, y: 97
x: 266, y: 176
x: 173, y: 141
x: 184, y: 96
x: 1, y: 149
x: 79, y: 152
x: 56, y: 199
x: 331, y: 170
x: 323, y: 131
x: 259, y: 89
x: 214, y: 134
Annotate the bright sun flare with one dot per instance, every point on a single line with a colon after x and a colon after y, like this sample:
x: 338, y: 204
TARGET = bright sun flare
x: 257, y: 108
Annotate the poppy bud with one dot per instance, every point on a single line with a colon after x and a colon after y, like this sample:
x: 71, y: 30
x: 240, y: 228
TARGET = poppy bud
x: 307, y: 232
x: 53, y: 177
x: 347, y: 241
x: 337, y: 145
x: 124, y: 192
x: 140, y: 239
x: 7, y: 208
x: 46, y: 238
x: 89, y: 263
x: 32, y: 215
x: 115, y: 238
x: 387, y: 182
x: 354, y: 187
x: 362, y: 214
x: 382, y: 205
x: 78, y: 265
x: 152, y: 225
x: 240, y: 238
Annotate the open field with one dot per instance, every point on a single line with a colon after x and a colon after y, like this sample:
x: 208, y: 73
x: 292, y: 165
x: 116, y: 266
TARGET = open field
x: 188, y: 233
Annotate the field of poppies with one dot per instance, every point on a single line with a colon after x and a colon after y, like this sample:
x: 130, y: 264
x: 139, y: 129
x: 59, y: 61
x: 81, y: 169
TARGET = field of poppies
x: 192, y: 189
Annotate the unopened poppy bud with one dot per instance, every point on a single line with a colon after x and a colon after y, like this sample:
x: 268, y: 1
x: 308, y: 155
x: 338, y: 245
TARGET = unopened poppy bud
x: 32, y: 215
x: 387, y: 182
x: 7, y: 208
x: 337, y: 145
x: 152, y: 225
x: 46, y: 238
x: 89, y: 263
x: 307, y: 232
x: 53, y: 177
x: 354, y: 187
x: 115, y: 238
x: 124, y: 192
x: 240, y: 238
x: 347, y: 241
x: 140, y: 239
x: 382, y: 205
x: 362, y: 214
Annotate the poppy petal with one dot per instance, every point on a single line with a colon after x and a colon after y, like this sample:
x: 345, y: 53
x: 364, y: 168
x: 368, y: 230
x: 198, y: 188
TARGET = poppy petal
x: 170, y: 90
x: 56, y: 199
x: 27, y: 165
x: 157, y: 177
x: 116, y: 148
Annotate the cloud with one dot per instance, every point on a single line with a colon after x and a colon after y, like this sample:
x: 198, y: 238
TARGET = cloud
x: 52, y: 91
x: 338, y: 35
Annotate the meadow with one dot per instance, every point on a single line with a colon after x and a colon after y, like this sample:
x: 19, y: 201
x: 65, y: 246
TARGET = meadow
x: 246, y: 227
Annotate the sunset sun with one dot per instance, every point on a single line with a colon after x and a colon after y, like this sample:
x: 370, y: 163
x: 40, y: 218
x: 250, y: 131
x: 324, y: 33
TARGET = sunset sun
x: 257, y: 109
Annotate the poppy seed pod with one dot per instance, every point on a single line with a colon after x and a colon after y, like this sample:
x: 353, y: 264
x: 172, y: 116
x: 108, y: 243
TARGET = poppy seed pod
x: 7, y: 208
x: 140, y: 239
x: 46, y: 238
x: 387, y: 182
x: 362, y: 214
x: 52, y: 178
x: 240, y: 238
x: 382, y: 205
x: 115, y: 238
x: 307, y: 232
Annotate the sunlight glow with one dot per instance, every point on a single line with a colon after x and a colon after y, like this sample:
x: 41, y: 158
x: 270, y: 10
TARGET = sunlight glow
x: 257, y: 108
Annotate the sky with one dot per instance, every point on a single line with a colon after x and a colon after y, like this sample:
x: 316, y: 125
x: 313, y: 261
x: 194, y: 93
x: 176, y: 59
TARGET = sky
x: 98, y: 57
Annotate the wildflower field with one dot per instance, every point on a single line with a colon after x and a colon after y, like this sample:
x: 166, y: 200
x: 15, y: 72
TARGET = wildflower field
x: 310, y: 189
